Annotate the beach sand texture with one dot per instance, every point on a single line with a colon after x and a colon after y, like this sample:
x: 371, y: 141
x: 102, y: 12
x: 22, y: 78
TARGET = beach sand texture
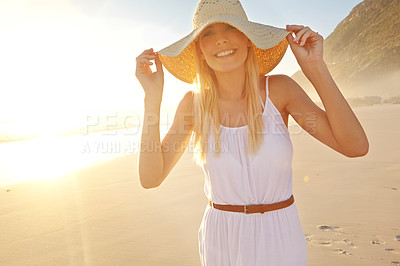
x: 349, y: 208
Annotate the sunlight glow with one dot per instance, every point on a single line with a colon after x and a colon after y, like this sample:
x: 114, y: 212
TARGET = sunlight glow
x: 56, y: 62
x: 58, y: 66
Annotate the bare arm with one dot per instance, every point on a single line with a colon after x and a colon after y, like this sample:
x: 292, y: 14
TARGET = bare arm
x: 345, y: 126
x: 156, y: 160
x: 338, y: 127
x: 317, y: 122
x: 150, y: 162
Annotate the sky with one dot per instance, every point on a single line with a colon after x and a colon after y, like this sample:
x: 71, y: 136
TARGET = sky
x: 60, y: 59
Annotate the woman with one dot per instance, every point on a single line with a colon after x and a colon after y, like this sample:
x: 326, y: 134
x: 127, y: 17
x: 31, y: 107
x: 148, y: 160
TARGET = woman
x: 239, y: 118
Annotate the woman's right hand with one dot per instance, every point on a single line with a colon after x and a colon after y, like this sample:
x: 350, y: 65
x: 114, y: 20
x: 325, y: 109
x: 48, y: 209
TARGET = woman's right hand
x: 152, y: 83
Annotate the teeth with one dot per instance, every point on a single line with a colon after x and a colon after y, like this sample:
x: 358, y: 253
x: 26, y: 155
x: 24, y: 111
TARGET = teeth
x: 225, y: 53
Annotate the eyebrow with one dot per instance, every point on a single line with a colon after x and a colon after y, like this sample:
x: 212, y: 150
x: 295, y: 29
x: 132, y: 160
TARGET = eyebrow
x: 212, y: 26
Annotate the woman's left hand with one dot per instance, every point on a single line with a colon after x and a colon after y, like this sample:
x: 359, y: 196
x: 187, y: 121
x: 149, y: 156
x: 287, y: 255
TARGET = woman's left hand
x: 307, y: 47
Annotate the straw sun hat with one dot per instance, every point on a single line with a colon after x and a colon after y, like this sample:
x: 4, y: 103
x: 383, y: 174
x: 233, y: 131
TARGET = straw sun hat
x: 269, y: 42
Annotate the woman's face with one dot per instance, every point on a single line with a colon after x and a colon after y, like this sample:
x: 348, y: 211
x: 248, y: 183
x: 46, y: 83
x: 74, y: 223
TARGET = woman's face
x: 223, y: 47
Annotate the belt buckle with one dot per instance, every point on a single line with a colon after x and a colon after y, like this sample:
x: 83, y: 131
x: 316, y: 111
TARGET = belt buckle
x: 245, y: 208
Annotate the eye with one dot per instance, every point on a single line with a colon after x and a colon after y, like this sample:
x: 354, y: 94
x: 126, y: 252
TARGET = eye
x: 207, y: 33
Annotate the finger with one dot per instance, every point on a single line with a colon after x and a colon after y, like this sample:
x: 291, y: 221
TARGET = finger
x: 147, y: 52
x: 304, y: 38
x: 158, y: 64
x: 294, y: 28
x: 144, y: 61
x: 148, y: 57
x: 300, y: 34
x: 290, y: 39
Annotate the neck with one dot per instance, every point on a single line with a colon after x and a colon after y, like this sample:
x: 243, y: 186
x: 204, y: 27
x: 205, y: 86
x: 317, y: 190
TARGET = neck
x: 231, y: 85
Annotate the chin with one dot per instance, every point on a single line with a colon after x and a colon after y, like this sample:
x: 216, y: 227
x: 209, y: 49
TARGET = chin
x: 228, y: 66
x: 228, y: 69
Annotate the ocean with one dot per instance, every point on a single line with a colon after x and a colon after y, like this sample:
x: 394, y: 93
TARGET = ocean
x: 54, y: 156
x: 50, y: 157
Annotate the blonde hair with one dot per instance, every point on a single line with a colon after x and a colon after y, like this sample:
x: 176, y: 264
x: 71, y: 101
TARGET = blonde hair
x: 205, y: 106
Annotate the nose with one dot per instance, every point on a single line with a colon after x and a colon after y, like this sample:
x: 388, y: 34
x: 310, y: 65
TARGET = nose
x: 221, y: 39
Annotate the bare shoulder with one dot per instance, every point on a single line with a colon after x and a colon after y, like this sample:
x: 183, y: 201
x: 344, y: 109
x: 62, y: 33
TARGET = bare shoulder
x: 185, y: 108
x: 286, y: 90
x: 280, y: 91
x: 187, y: 99
x: 187, y: 103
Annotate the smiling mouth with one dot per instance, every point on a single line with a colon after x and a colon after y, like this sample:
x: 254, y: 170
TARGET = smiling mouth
x: 225, y: 53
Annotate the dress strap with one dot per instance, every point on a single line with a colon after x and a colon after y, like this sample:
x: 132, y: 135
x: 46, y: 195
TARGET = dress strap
x: 262, y: 103
x: 267, y: 93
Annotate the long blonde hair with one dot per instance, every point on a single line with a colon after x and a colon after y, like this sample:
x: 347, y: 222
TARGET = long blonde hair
x: 205, y: 105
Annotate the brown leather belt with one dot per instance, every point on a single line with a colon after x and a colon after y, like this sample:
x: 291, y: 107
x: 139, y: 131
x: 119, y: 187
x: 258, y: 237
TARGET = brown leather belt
x: 254, y: 208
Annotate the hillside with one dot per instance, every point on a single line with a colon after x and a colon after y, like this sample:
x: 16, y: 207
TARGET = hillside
x: 363, y: 52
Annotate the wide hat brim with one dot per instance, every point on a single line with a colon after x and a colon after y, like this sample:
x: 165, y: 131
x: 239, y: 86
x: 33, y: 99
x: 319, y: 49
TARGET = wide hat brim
x: 269, y: 44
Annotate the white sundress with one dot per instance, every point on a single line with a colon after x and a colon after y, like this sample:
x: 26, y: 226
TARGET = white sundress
x: 238, y: 178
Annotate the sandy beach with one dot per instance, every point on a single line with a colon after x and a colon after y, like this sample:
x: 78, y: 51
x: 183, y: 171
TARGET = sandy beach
x: 349, y: 208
